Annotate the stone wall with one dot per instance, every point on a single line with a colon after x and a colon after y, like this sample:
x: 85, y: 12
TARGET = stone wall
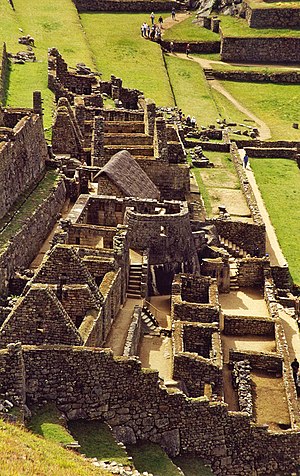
x: 241, y: 380
x: 12, y: 375
x: 261, y: 50
x: 292, y: 77
x: 3, y: 73
x: 247, y: 236
x: 265, y: 361
x: 282, y: 17
x: 127, y: 5
x: 195, y: 46
x: 89, y: 383
x: 22, y: 160
x: 134, y: 333
x: 173, y: 181
x: 249, y: 325
x: 272, y: 152
x: 251, y: 271
x: 22, y: 249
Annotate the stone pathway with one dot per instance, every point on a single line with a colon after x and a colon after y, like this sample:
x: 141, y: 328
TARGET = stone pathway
x: 169, y: 22
x: 118, y: 332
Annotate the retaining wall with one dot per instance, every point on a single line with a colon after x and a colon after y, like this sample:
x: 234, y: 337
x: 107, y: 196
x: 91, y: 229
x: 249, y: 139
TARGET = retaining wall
x: 261, y: 50
x: 127, y: 6
x: 272, y: 17
x: 4, y: 70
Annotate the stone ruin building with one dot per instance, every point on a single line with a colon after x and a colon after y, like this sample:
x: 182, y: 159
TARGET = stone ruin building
x: 123, y: 222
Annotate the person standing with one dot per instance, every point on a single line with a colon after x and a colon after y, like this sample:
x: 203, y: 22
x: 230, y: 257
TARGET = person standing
x: 160, y: 21
x: 245, y: 160
x: 171, y: 47
x: 173, y: 13
x: 295, y: 368
x: 152, y: 17
x: 188, y: 49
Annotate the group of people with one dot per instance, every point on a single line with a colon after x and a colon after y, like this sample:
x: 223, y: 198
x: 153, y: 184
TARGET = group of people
x: 153, y: 32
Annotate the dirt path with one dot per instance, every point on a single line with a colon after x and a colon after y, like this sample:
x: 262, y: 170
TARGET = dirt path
x: 169, y: 22
x: 264, y: 131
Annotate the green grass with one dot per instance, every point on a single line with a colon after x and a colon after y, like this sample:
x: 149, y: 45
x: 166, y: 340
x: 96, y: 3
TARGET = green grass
x: 284, y: 4
x: 48, y: 24
x: 119, y: 49
x: 189, y: 31
x: 278, y: 181
x: 47, y: 422
x: 190, y: 89
x: 150, y: 457
x: 275, y: 104
x: 23, y: 453
x: 24, y: 208
x: 192, y: 466
x: 97, y: 441
x: 238, y: 27
x: 250, y: 68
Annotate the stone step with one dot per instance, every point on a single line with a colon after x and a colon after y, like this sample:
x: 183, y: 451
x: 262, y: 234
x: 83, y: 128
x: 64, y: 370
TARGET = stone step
x: 132, y: 139
x: 119, y: 127
x: 140, y: 150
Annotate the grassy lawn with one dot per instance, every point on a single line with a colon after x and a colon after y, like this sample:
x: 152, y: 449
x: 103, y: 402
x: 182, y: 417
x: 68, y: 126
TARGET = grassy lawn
x: 278, y: 180
x: 249, y: 68
x: 48, y: 24
x: 191, y: 90
x: 192, y: 466
x: 234, y: 26
x: 47, y: 422
x: 23, y: 453
x: 216, y: 181
x: 151, y: 458
x: 24, y: 208
x: 189, y: 31
x: 97, y: 441
x: 119, y: 49
x: 275, y: 104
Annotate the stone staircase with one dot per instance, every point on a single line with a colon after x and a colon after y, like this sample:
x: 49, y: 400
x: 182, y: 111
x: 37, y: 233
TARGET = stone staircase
x: 134, y: 284
x: 232, y: 248
x: 130, y: 135
x: 209, y: 74
x: 233, y: 274
x: 150, y: 321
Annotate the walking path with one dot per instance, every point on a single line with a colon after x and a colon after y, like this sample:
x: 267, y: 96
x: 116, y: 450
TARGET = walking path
x: 272, y: 246
x: 264, y: 131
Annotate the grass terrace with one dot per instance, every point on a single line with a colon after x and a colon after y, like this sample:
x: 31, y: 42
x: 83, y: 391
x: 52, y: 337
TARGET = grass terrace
x: 278, y: 181
x: 275, y: 104
x: 118, y: 48
x: 238, y: 27
x: 47, y: 23
x: 23, y: 453
x: 151, y: 458
x: 189, y: 31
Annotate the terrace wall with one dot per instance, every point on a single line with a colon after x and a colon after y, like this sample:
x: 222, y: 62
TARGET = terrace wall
x: 22, y: 249
x: 22, y: 159
x: 126, y: 6
x: 260, y: 50
x: 272, y: 17
x: 4, y: 65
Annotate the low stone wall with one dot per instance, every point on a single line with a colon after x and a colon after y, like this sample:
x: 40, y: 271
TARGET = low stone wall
x: 251, y: 271
x: 261, y: 50
x: 22, y: 249
x: 195, y: 46
x: 127, y: 5
x: 249, y: 195
x: 3, y: 73
x: 272, y: 152
x: 134, y: 333
x: 248, y: 236
x: 249, y: 325
x: 241, y: 377
x: 292, y: 77
x: 272, y: 17
x: 266, y: 361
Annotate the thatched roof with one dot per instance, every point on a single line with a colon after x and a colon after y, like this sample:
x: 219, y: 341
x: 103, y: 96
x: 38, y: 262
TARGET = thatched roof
x: 123, y: 170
